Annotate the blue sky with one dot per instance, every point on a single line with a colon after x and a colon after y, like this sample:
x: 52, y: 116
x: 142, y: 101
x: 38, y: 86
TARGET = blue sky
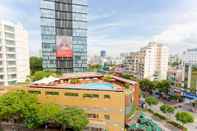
x: 119, y: 25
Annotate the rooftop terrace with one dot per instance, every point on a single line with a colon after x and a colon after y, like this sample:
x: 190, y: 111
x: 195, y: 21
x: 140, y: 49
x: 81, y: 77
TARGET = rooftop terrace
x: 85, y: 81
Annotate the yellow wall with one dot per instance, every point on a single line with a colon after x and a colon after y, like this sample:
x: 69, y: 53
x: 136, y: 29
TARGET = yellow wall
x: 114, y: 107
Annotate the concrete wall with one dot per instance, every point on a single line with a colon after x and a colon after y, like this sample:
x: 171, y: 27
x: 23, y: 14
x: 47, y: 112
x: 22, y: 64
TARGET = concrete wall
x: 114, y: 106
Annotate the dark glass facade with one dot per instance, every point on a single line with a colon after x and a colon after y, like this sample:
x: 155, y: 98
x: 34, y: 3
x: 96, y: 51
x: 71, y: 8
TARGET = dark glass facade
x: 64, y: 35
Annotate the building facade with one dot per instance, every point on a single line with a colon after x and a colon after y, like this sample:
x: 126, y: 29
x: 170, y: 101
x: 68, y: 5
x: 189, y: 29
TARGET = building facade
x: 106, y: 103
x: 151, y: 62
x: 190, y: 68
x: 190, y: 76
x: 175, y: 76
x: 134, y: 64
x: 64, y: 35
x: 190, y: 56
x: 14, y: 53
x: 103, y: 53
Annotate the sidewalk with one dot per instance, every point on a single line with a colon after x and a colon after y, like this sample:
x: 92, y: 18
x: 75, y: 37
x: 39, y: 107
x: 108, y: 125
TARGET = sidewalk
x: 190, y: 126
x: 161, y: 124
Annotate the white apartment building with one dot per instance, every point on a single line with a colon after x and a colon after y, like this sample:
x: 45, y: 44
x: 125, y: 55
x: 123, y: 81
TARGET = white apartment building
x: 190, y: 56
x: 156, y: 61
x: 151, y: 62
x: 190, y: 68
x: 14, y: 53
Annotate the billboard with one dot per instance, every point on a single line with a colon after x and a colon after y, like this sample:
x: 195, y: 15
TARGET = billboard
x: 64, y: 47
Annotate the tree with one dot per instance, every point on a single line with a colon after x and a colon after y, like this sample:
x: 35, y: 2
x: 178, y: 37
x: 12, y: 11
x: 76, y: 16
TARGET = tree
x: 47, y: 113
x: 193, y: 90
x: 163, y: 86
x: 147, y: 85
x: 73, y: 118
x: 22, y: 107
x: 126, y: 76
x: 167, y: 108
x: 94, y: 67
x: 107, y: 78
x: 184, y: 117
x: 74, y: 81
x: 17, y: 106
x: 35, y: 64
x: 151, y: 100
x: 127, y: 86
x: 42, y: 74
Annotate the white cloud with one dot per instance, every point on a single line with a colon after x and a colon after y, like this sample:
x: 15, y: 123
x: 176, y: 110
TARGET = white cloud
x: 177, y: 29
x: 10, y: 10
x: 181, y: 35
x: 5, y: 12
x: 181, y: 31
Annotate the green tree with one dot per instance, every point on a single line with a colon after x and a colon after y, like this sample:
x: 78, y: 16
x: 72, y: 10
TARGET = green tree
x: 147, y: 85
x: 73, y: 118
x: 163, y: 86
x: 193, y: 90
x: 35, y: 64
x: 126, y: 76
x: 167, y: 108
x: 74, y: 81
x: 127, y: 86
x: 47, y: 113
x: 22, y: 107
x: 151, y: 100
x: 107, y: 78
x: 42, y: 74
x: 184, y: 117
x: 94, y: 67
x: 16, y: 106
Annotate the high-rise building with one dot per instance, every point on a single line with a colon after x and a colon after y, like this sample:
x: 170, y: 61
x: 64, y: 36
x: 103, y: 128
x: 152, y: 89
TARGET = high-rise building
x: 190, y: 56
x: 190, y: 76
x: 175, y: 75
x: 134, y: 64
x: 14, y: 53
x: 190, y: 68
x: 103, y: 53
x: 151, y: 62
x: 64, y: 35
x: 175, y: 61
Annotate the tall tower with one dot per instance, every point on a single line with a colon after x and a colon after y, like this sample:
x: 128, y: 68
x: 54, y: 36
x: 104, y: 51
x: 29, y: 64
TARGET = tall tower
x: 14, y: 53
x: 64, y: 35
x: 156, y: 61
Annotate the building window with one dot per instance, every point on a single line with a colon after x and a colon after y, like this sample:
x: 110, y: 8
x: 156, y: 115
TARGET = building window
x: 9, y: 28
x: 93, y: 116
x: 107, y: 117
x: 12, y: 82
x: 107, y: 96
x: 1, y: 77
x: 12, y: 76
x: 35, y: 92
x: 71, y: 94
x: 91, y: 96
x: 52, y: 93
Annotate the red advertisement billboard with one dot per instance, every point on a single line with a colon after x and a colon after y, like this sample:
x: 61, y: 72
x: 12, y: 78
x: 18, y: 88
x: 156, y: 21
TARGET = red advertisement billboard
x: 64, y: 47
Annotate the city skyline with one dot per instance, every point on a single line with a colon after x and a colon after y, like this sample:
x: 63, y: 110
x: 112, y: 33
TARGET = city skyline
x: 169, y: 22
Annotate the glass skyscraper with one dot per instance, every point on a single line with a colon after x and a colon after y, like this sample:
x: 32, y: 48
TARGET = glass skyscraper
x: 64, y: 35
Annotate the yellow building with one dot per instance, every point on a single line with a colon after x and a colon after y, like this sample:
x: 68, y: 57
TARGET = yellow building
x: 106, y: 103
